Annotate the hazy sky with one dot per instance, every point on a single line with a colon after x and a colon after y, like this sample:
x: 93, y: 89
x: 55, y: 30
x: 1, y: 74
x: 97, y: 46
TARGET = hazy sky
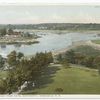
x: 49, y: 14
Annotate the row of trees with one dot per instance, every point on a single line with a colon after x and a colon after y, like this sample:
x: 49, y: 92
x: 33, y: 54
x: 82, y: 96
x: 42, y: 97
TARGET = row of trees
x: 4, y: 31
x: 22, y: 70
x: 79, y: 58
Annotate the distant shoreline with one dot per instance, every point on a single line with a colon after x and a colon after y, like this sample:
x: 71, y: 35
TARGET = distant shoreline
x: 18, y: 42
x: 66, y: 30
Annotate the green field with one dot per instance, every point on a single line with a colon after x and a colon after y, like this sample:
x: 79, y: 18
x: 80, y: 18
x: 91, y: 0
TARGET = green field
x: 96, y: 41
x: 62, y: 80
x: 74, y: 80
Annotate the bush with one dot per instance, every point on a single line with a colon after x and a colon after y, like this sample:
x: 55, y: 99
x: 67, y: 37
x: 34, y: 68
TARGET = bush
x: 58, y: 90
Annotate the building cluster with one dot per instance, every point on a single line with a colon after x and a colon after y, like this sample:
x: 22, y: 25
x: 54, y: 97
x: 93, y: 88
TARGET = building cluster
x: 10, y: 34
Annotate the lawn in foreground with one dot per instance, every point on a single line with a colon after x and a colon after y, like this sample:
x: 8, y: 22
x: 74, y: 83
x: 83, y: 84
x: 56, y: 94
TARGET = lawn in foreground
x: 74, y: 80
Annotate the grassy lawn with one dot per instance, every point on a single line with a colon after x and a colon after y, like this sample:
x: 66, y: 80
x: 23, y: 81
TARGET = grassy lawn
x: 96, y: 41
x: 87, y: 50
x: 74, y: 80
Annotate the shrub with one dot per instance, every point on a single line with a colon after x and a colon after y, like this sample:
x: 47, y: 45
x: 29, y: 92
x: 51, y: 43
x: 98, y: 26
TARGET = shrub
x: 59, y: 90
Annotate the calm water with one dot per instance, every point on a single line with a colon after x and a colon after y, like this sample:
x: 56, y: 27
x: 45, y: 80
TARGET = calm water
x: 48, y: 42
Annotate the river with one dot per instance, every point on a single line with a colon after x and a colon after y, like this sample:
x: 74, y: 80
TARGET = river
x: 48, y: 42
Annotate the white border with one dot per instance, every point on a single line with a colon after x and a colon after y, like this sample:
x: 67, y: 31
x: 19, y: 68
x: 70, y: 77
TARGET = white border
x: 53, y: 97
x: 50, y: 2
x: 25, y: 2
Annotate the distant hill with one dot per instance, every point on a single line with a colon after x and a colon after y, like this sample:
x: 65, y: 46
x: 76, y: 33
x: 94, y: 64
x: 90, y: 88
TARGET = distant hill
x: 54, y: 26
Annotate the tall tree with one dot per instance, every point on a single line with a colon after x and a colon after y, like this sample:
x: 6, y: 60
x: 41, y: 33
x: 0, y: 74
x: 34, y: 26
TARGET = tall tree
x: 3, y: 32
x: 2, y: 61
x: 12, y: 61
x: 70, y: 56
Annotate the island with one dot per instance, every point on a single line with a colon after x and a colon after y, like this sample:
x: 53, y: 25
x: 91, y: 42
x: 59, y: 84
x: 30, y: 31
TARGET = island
x: 10, y: 36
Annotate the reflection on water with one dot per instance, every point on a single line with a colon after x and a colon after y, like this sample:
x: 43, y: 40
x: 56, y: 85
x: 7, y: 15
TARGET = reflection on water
x: 48, y: 42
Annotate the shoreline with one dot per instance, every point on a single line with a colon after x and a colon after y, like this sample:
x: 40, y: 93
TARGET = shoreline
x: 18, y: 42
x: 64, y: 31
x: 75, y: 44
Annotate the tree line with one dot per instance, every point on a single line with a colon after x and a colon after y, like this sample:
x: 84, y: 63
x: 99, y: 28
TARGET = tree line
x: 4, y: 31
x: 54, y: 26
x: 79, y: 58
x: 23, y: 69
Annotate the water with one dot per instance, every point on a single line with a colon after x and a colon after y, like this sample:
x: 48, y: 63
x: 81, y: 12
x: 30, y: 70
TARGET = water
x: 48, y: 42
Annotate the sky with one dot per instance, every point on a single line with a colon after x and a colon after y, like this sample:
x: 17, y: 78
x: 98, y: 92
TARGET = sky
x: 35, y: 14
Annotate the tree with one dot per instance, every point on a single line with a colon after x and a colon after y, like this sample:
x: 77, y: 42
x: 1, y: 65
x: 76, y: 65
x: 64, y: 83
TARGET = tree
x: 65, y: 63
x: 25, y: 69
x: 12, y: 61
x: 10, y: 31
x: 3, y: 86
x: 88, y: 61
x: 79, y: 58
x: 2, y: 61
x: 70, y: 56
x: 11, y: 82
x: 3, y: 31
x: 59, y: 58
x: 20, y: 55
x: 49, y: 57
x: 97, y: 63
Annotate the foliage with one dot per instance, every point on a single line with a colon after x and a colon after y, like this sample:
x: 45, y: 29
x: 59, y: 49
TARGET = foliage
x: 88, y: 61
x: 82, y: 55
x: 55, y: 26
x: 12, y: 61
x: 22, y: 69
x: 10, y: 31
x: 14, y: 58
x: 3, y: 86
x: 59, y: 90
x: 87, y: 50
x: 3, y: 32
x: 97, y: 63
x: 2, y: 61
x: 70, y: 56
x: 20, y: 55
